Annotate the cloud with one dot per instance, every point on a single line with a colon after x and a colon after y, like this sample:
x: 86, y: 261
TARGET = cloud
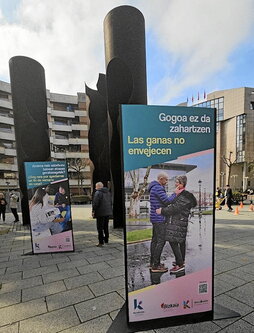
x: 66, y: 37
x: 195, y: 37
x: 199, y: 37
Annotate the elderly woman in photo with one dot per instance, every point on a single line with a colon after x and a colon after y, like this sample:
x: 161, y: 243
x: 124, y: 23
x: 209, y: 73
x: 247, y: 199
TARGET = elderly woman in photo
x: 177, y: 214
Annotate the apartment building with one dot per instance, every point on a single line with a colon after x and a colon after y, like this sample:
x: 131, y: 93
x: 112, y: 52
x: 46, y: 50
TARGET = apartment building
x: 235, y: 136
x: 68, y: 131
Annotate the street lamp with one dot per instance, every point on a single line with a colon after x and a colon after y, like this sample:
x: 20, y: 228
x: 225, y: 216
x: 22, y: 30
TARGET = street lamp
x: 7, y: 184
x: 205, y: 198
x: 199, y: 197
x: 234, y: 177
x: 245, y: 183
x: 222, y: 179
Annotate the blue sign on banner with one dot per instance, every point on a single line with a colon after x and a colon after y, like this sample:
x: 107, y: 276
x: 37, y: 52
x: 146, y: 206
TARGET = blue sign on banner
x: 155, y: 134
x: 43, y: 173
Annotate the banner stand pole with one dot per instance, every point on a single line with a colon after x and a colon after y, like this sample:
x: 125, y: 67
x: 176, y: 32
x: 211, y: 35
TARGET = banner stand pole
x: 120, y: 322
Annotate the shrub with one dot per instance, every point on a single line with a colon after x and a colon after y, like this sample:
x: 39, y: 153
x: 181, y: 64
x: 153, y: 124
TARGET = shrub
x: 81, y: 199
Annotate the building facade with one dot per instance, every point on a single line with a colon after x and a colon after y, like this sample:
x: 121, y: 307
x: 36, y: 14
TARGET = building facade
x: 235, y: 136
x: 68, y: 132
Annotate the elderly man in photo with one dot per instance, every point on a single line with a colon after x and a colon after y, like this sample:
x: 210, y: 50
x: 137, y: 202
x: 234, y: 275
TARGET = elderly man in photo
x: 158, y: 198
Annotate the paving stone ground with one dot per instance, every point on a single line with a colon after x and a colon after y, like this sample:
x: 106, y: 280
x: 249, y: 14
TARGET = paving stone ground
x: 83, y: 291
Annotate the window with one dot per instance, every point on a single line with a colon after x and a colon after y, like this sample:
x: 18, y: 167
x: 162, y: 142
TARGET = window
x: 5, y: 128
x: 8, y: 160
x: 4, y: 95
x: 251, y: 105
x: 4, y: 112
x: 75, y: 120
x: 60, y: 121
x: 7, y: 144
x: 218, y: 104
x: 240, y: 137
x: 61, y: 135
x: 74, y: 148
x: 75, y: 134
x: 59, y: 149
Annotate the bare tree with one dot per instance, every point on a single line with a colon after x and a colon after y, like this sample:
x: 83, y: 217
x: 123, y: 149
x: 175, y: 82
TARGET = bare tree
x: 229, y: 162
x: 137, y: 192
x: 78, y: 165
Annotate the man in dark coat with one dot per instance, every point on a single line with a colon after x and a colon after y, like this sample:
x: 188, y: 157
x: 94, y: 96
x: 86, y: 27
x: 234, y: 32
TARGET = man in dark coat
x: 229, y: 197
x: 158, y: 198
x: 102, y: 210
x: 177, y: 213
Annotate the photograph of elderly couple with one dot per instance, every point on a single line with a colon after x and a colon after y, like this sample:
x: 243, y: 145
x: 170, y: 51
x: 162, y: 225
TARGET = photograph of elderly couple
x: 169, y: 219
x: 50, y: 210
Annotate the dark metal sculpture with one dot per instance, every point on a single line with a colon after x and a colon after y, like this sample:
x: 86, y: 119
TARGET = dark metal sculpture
x: 30, y: 118
x: 98, y: 136
x: 124, y: 34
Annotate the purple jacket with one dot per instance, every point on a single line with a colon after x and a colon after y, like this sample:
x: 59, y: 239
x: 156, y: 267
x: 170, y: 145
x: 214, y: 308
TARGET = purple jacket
x: 158, y: 198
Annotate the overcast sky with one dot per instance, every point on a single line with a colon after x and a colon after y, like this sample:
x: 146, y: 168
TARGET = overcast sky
x: 192, y: 45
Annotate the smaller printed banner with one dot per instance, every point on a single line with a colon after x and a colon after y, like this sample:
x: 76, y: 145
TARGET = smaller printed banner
x: 49, y: 206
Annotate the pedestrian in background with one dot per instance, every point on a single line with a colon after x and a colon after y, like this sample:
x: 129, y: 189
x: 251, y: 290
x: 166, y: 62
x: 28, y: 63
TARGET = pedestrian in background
x: 102, y: 210
x: 3, y: 204
x: 14, y: 199
x: 229, y: 197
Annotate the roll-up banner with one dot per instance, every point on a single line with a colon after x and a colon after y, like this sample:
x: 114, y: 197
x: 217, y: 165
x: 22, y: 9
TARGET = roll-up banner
x: 169, y: 171
x: 49, y: 206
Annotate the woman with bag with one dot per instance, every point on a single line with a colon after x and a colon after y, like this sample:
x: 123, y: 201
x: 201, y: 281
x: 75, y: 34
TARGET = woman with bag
x: 177, y: 213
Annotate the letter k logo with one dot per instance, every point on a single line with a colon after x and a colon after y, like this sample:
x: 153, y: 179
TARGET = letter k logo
x: 137, y: 305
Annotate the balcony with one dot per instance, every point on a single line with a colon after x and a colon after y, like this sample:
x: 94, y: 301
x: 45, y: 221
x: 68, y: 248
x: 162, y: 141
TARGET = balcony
x: 59, y: 155
x: 61, y: 128
x: 60, y: 142
x: 64, y: 114
x: 6, y: 120
x: 78, y: 141
x: 10, y: 152
x: 76, y: 155
x: 81, y: 113
x: 9, y: 167
x: 7, y: 136
x: 12, y: 183
x: 5, y: 104
x: 79, y: 127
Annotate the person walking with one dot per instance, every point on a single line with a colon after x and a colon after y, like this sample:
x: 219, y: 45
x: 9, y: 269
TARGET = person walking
x: 3, y: 204
x: 158, y: 198
x: 14, y: 199
x: 229, y: 198
x: 177, y: 213
x: 102, y: 210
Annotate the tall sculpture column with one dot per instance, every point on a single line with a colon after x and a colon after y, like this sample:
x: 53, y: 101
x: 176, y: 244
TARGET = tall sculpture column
x: 124, y: 35
x: 29, y: 102
x: 98, y: 131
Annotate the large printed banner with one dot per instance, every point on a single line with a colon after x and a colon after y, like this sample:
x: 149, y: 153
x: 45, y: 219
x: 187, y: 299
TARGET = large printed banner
x: 49, y: 206
x: 168, y: 159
